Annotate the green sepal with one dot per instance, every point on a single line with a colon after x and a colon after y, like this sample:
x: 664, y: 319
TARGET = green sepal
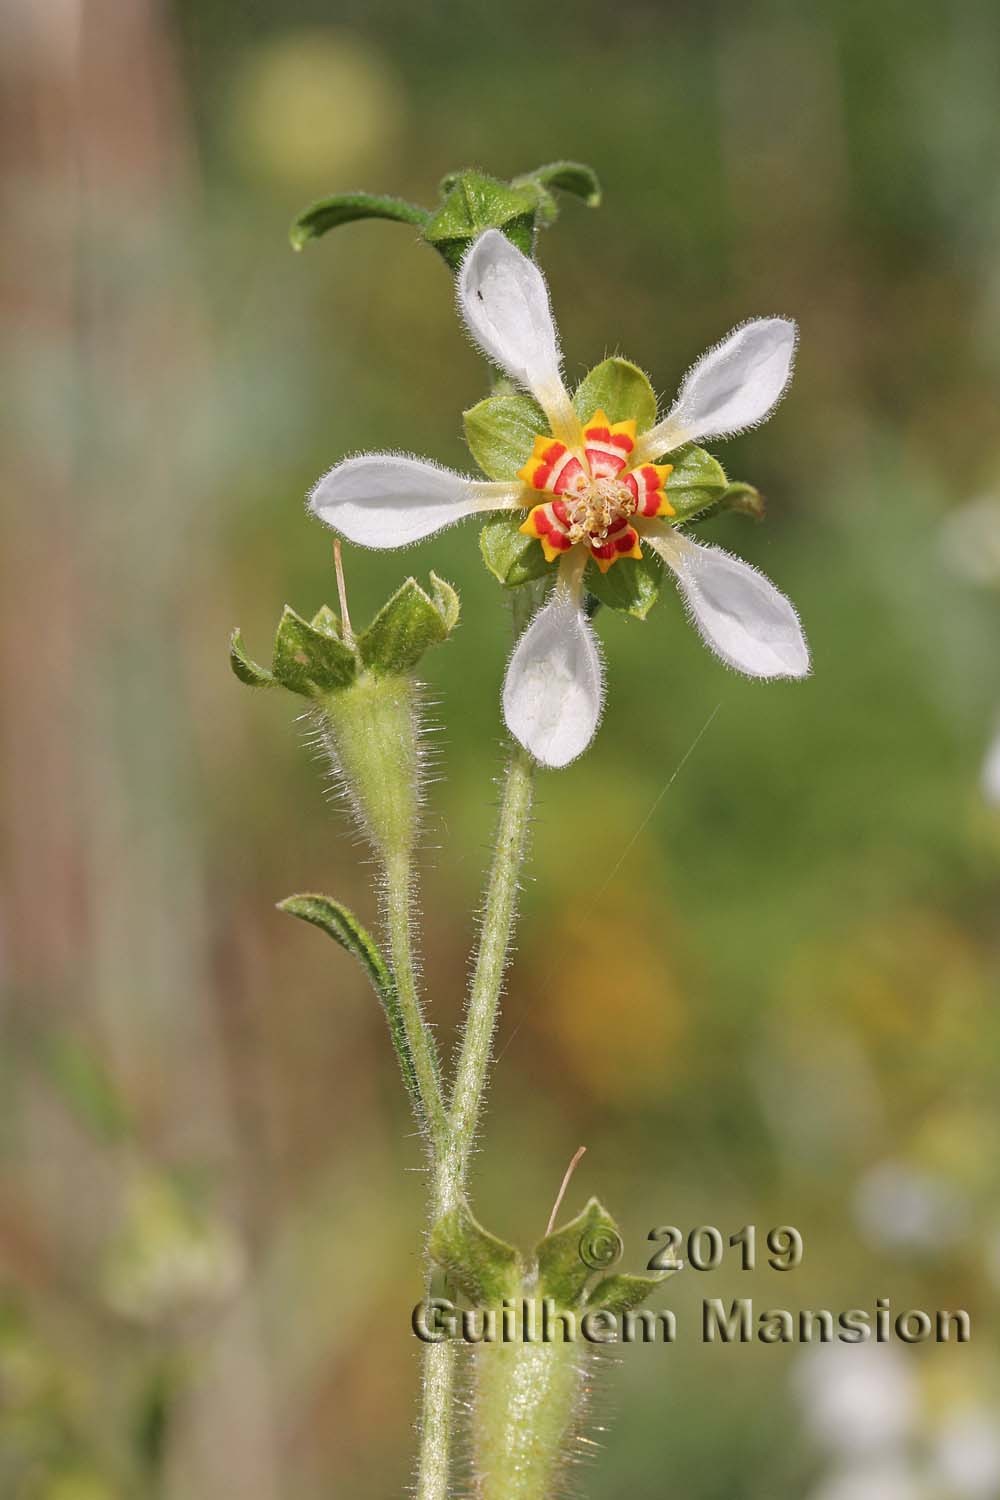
x: 697, y: 481
x: 475, y: 202
x: 246, y: 669
x: 410, y: 622
x: 511, y: 556
x: 310, y: 661
x: 345, y: 208
x: 620, y: 1293
x: 567, y: 177
x: 568, y: 1258
x: 744, y: 499
x: 446, y: 602
x: 621, y: 389
x: 631, y: 585
x: 484, y: 1268
x: 328, y: 621
x: 501, y: 432
x: 342, y: 925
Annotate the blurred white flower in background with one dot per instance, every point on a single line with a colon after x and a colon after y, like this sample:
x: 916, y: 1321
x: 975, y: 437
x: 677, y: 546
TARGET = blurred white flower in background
x: 883, y: 1479
x: 857, y: 1399
x: 971, y: 541
x: 168, y: 1258
x: 966, y: 1453
x: 899, y: 1207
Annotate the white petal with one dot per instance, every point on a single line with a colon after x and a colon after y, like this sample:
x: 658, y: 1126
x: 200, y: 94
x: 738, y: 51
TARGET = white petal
x: 733, y: 386
x: 385, y: 500
x: 739, y: 613
x: 554, y: 689
x: 504, y: 301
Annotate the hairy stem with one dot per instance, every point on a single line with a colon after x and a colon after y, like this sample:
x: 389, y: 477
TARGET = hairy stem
x: 451, y: 1162
x: 491, y: 961
x: 399, y: 899
x: 436, y: 1413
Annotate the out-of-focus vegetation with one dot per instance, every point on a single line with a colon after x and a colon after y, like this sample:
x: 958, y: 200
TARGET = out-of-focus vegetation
x: 769, y: 995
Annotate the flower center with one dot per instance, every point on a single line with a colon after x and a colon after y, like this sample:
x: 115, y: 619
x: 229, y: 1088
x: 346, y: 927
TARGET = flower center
x: 596, y: 506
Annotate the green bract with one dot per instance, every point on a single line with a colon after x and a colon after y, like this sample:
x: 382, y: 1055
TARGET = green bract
x: 410, y: 622
x: 313, y: 659
x: 470, y: 202
x: 510, y: 555
x: 621, y: 389
x: 566, y: 1265
x: 483, y: 1268
x: 501, y: 432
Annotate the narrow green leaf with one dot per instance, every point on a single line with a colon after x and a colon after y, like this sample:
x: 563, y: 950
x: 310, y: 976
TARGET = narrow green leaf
x: 308, y: 660
x: 511, y: 556
x: 568, y: 177
x: 484, y: 1268
x: 342, y: 925
x: 246, y: 669
x: 631, y: 585
x: 621, y: 389
x: 621, y: 1293
x: 345, y: 208
x: 404, y: 628
x: 696, y: 482
x: 569, y: 1257
x: 501, y: 432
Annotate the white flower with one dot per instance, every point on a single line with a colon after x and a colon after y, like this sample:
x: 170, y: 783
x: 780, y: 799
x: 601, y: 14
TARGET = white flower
x: 857, y: 1399
x: 593, y: 491
x: 966, y: 1452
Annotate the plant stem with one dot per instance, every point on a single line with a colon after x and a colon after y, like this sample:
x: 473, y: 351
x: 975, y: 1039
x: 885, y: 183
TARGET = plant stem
x: 452, y: 1160
x: 437, y: 1408
x: 487, y: 979
x: 399, y: 899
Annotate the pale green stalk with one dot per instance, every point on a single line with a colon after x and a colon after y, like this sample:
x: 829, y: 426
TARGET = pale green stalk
x: 398, y: 909
x: 451, y: 1163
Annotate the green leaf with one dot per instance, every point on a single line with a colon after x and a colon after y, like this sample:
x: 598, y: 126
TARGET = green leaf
x: 619, y: 1294
x: 501, y: 432
x: 327, y: 621
x: 568, y: 177
x: 632, y: 584
x: 246, y: 669
x: 309, y: 661
x: 475, y: 202
x: 621, y: 389
x: 568, y: 1258
x: 404, y: 627
x: 343, y: 926
x: 484, y: 1268
x: 510, y: 555
x: 345, y: 208
x: 696, y: 482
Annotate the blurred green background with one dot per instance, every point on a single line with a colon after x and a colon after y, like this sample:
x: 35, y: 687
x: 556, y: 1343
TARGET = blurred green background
x: 774, y: 1000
